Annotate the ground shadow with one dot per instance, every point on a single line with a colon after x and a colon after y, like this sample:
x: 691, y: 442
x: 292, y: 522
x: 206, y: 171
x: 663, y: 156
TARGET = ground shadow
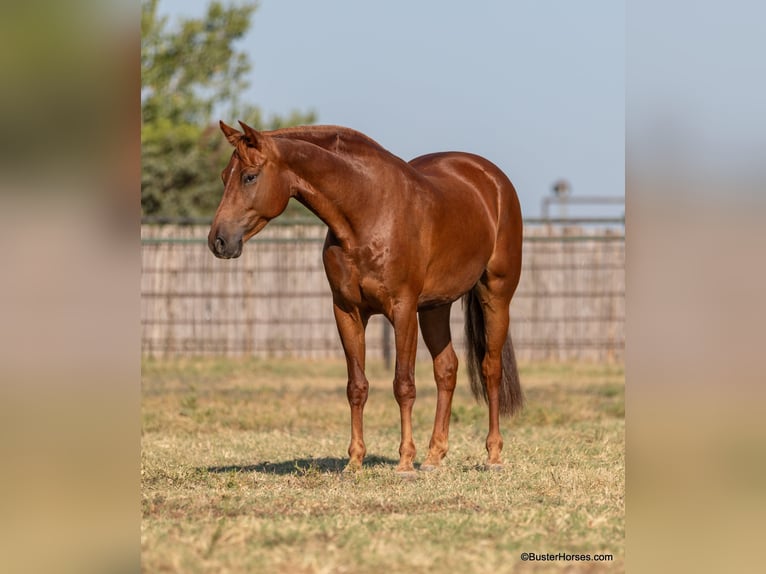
x: 301, y: 465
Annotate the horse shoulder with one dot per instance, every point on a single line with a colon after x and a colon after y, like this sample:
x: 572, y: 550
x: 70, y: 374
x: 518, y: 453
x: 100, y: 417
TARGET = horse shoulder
x: 342, y: 273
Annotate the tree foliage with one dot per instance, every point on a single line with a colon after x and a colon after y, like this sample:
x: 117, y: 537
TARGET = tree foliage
x: 188, y: 73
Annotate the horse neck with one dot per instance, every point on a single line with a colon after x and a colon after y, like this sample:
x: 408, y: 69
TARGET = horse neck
x: 335, y: 187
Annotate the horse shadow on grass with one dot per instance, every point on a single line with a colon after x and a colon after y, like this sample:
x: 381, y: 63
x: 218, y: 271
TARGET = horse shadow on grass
x: 303, y: 465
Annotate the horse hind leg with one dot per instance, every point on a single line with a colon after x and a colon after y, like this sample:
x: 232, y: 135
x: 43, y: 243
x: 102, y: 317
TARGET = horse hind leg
x: 434, y: 325
x: 496, y: 323
x: 503, y: 391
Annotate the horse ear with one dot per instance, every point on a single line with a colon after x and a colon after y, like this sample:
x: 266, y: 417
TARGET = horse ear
x: 252, y: 135
x: 232, y: 135
x: 259, y: 141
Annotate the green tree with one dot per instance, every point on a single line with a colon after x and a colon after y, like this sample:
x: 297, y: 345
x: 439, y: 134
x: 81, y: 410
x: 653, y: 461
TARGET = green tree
x: 188, y: 73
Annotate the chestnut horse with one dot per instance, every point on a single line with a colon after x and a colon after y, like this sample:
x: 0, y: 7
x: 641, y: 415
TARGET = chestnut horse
x: 405, y: 240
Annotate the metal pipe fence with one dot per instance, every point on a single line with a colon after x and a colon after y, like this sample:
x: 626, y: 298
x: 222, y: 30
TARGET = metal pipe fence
x: 274, y: 301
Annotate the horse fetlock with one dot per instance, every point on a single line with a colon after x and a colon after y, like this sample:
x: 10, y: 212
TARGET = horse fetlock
x: 494, y: 447
x: 407, y: 451
x: 357, y: 451
x: 434, y: 459
x: 438, y: 446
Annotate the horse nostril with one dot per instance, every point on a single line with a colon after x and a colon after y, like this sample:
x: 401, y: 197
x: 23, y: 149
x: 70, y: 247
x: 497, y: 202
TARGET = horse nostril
x: 220, y: 244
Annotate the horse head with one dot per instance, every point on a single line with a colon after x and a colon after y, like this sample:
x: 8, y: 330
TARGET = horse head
x: 256, y: 190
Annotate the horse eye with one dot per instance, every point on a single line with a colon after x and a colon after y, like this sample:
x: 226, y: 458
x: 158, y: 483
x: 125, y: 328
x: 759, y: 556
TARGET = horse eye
x: 249, y: 178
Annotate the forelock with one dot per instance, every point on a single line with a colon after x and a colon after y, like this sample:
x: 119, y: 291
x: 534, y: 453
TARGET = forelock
x: 241, y: 149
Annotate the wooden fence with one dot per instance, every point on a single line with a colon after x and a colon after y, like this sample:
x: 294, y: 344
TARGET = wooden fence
x: 275, y: 301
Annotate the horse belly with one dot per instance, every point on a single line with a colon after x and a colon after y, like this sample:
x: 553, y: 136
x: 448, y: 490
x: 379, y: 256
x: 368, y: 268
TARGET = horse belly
x: 453, y: 274
x: 461, y: 238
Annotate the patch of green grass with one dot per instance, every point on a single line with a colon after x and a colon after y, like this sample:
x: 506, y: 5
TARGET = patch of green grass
x: 242, y: 471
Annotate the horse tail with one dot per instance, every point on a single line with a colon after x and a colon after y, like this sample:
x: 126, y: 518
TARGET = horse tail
x: 511, y: 396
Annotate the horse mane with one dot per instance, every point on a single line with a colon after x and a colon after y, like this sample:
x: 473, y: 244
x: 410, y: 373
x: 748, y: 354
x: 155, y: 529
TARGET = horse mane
x: 341, y: 141
x: 336, y: 139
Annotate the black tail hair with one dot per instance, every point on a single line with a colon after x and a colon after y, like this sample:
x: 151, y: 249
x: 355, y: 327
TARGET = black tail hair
x: 511, y: 396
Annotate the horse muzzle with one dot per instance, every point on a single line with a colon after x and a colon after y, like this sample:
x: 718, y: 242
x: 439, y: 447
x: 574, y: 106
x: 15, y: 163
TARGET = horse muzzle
x: 224, y: 248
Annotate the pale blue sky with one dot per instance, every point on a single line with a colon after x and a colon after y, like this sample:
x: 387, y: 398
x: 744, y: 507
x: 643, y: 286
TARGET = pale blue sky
x: 537, y: 86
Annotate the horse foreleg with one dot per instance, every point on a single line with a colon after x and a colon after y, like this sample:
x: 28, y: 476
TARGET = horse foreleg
x: 406, y: 337
x: 351, y: 325
x: 434, y: 325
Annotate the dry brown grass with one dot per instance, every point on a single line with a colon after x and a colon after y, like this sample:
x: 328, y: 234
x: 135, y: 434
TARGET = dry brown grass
x: 242, y: 461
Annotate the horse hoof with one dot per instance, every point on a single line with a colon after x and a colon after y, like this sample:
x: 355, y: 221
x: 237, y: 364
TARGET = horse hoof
x: 494, y: 467
x: 407, y: 474
x: 352, y: 468
x: 427, y: 467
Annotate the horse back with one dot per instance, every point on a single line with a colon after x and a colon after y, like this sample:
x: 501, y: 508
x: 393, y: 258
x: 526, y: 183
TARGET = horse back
x: 465, y: 173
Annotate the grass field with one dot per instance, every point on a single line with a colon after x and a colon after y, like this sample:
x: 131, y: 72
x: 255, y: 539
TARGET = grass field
x: 242, y: 460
